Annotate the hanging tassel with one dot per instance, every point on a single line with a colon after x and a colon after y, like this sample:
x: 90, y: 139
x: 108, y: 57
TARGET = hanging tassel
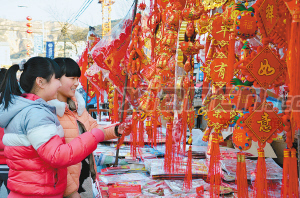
x: 134, y: 133
x: 169, y: 146
x: 214, y: 167
x: 184, y: 121
x: 141, y: 133
x: 154, y: 122
x: 116, y: 106
x: 241, y: 176
x: 231, y: 59
x: 188, y: 175
x: 285, y: 177
x: 261, y: 186
x: 293, y: 177
x: 293, y: 58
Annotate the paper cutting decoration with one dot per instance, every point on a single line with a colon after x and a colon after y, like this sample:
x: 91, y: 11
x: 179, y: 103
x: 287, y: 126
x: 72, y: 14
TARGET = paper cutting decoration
x: 264, y: 68
x: 262, y: 124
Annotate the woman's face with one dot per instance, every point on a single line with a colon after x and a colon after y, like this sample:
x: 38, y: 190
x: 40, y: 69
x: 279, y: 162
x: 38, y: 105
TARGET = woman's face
x: 68, y: 87
x: 51, y: 88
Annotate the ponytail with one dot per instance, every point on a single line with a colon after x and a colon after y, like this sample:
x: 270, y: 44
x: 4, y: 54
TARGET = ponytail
x: 9, y: 86
x: 33, y: 68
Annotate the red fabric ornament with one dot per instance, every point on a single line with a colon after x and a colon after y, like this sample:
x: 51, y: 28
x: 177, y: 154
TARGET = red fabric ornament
x: 191, y: 11
x: 246, y: 27
x: 242, y: 95
x: 265, y: 68
x: 241, y: 139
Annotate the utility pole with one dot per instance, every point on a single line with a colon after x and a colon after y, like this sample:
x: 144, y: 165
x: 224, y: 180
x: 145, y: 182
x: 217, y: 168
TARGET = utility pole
x: 64, y: 32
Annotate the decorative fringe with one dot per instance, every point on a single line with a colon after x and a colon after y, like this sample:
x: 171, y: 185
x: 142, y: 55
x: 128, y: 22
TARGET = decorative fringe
x: 285, y: 178
x: 241, y: 176
x: 154, y: 122
x: 169, y: 148
x: 188, y: 175
x: 116, y: 107
x: 261, y: 186
x: 293, y: 59
x: 184, y: 121
x: 141, y: 133
x: 214, y: 167
x: 293, y: 177
x: 134, y: 133
x: 231, y: 59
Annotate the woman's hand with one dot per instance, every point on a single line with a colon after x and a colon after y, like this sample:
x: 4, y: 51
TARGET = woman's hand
x: 125, y: 127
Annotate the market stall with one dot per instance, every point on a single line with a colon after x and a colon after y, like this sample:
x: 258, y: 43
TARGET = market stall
x: 250, y: 65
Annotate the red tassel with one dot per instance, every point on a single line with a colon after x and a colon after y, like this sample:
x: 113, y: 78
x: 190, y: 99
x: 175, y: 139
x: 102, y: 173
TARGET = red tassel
x: 231, y: 59
x: 188, y: 178
x: 141, y: 133
x: 285, y: 178
x: 116, y: 107
x: 184, y: 121
x: 169, y: 148
x: 241, y: 176
x: 261, y: 186
x: 293, y: 177
x: 134, y: 133
x: 214, y: 167
x: 293, y: 59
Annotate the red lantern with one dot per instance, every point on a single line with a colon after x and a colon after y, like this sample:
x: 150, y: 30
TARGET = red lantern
x: 29, y: 31
x: 241, y: 139
x: 29, y: 25
x: 29, y: 18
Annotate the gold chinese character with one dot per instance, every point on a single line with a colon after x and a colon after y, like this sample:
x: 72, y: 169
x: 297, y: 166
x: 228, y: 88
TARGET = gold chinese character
x: 248, y: 24
x: 269, y: 12
x: 221, y: 70
x: 266, y: 69
x: 264, y: 123
x: 218, y: 110
x: 223, y: 29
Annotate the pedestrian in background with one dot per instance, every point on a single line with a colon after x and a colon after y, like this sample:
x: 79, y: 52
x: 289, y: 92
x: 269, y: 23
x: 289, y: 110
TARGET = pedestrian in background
x: 36, y: 152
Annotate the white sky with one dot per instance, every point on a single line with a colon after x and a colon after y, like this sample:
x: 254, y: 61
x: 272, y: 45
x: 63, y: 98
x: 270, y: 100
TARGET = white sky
x: 60, y: 10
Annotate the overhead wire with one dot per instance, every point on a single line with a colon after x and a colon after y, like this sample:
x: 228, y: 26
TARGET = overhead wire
x: 80, y: 12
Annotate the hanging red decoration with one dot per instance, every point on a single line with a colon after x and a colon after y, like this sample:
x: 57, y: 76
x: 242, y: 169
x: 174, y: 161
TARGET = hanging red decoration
x: 245, y: 22
x: 264, y: 68
x: 262, y: 124
x: 191, y: 11
x: 242, y: 95
x: 29, y: 18
x: 241, y: 140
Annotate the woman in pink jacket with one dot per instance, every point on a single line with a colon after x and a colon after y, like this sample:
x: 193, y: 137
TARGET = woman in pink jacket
x: 3, y: 164
x: 75, y: 120
x: 35, y: 147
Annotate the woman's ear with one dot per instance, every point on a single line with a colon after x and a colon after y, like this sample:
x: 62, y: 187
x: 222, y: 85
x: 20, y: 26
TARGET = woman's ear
x: 40, y: 82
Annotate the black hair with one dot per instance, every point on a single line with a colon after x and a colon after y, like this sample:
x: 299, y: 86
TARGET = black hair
x: 2, y: 74
x: 33, y: 68
x: 68, y: 67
